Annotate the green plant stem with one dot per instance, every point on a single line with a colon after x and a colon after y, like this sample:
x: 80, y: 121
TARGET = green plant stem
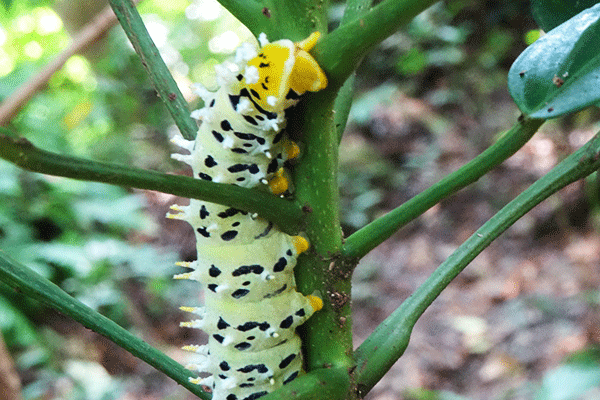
x: 34, y: 285
x: 389, y: 340
x: 355, y: 9
x: 160, y: 76
x: 21, y: 152
x: 326, y: 384
x: 367, y: 238
x: 250, y: 13
x: 340, y: 52
x: 292, y: 20
x: 342, y: 106
x: 343, y: 101
x: 327, y: 334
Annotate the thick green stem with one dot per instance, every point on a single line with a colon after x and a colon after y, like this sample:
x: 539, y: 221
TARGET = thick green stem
x: 324, y: 384
x: 372, y: 235
x: 340, y: 52
x: 328, y: 333
x: 389, y: 340
x: 159, y: 73
x: 34, y: 285
x: 355, y: 9
x: 292, y: 20
x: 22, y: 153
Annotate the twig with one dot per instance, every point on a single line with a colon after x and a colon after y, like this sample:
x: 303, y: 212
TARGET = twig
x: 22, y: 153
x: 159, y: 74
x: 32, y: 284
x: 89, y: 34
x: 372, y: 235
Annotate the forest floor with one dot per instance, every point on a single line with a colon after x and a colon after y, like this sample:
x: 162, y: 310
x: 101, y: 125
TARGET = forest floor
x: 521, y: 306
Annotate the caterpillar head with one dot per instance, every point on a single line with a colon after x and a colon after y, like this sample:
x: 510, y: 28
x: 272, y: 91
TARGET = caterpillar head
x: 282, y: 72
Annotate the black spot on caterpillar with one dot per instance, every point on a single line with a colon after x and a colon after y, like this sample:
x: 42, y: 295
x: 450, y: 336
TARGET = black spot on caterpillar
x: 251, y: 308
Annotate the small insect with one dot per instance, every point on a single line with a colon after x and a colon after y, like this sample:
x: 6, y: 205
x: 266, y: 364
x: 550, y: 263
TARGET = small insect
x: 246, y: 264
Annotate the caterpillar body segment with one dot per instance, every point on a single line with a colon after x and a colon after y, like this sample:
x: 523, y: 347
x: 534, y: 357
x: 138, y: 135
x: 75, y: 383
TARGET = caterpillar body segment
x: 245, y: 263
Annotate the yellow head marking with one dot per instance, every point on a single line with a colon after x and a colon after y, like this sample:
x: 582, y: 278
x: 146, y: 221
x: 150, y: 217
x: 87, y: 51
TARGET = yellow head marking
x: 283, y: 66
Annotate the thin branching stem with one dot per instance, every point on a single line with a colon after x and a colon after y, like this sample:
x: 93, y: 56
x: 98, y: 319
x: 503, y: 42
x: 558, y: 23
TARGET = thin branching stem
x: 389, y: 340
x: 155, y: 66
x: 22, y: 153
x: 36, y: 286
x: 340, y: 52
x: 343, y: 102
x: 372, y: 235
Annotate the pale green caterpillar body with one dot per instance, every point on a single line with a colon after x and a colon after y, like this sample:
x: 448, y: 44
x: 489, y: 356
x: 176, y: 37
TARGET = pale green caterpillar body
x: 246, y: 264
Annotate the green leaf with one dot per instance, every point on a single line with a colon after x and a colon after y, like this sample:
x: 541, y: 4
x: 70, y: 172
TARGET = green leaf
x: 560, y: 72
x: 550, y: 13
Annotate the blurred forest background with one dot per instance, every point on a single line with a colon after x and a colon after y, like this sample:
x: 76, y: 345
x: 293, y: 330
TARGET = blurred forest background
x: 522, y: 321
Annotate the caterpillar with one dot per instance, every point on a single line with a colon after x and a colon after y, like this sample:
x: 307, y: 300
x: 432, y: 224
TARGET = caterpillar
x: 246, y: 264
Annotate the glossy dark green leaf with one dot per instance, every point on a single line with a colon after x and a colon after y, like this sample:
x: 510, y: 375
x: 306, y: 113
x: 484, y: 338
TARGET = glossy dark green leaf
x: 550, y: 13
x: 560, y: 72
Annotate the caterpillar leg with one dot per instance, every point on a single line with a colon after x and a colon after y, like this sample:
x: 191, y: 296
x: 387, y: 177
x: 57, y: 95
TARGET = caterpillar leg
x: 315, y: 302
x: 279, y: 184
x: 292, y: 150
x: 300, y: 243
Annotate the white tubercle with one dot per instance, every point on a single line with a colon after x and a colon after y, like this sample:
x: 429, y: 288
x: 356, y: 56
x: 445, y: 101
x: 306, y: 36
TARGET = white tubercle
x: 196, y: 348
x: 184, y: 158
x: 221, y: 288
x: 202, y: 114
x: 245, y: 53
x: 228, y: 142
x: 227, y: 340
x: 208, y: 381
x: 201, y: 311
x: 181, y: 212
x: 262, y: 39
x: 266, y: 276
x: 184, y: 264
x: 180, y: 141
x: 197, y: 323
x: 185, y: 275
x: 271, y: 124
x: 244, y: 107
x: 226, y: 73
x: 229, y: 383
x: 205, y: 94
x: 251, y: 75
